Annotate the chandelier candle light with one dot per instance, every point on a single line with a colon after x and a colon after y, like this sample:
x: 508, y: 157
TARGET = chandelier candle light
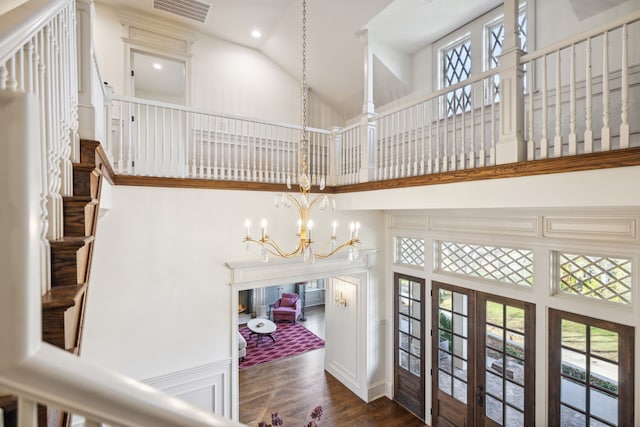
x: 302, y: 201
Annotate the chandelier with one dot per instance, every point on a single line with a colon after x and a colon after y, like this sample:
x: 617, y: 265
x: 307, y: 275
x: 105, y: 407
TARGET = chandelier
x: 302, y: 201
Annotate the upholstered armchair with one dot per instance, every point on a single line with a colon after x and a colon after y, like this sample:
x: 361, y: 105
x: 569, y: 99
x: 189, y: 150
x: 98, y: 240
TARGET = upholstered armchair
x: 288, y: 307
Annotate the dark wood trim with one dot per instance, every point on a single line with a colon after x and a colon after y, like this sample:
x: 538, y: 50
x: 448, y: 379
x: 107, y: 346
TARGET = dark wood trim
x: 581, y: 162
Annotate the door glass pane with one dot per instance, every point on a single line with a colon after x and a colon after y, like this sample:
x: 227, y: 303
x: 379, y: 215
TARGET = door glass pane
x: 495, y: 313
x: 573, y: 393
x: 514, y: 369
x: 604, y: 375
x: 403, y: 306
x: 444, y: 382
x: 515, y: 418
x: 604, y: 406
x: 460, y: 368
x: 415, y: 309
x: 445, y: 320
x: 460, y: 324
x: 460, y: 390
x: 574, y: 335
x: 494, y: 384
x: 445, y: 299
x: 515, y: 395
x: 574, y: 365
x: 460, y: 347
x: 444, y: 362
x: 403, y: 323
x: 415, y: 291
x: 415, y: 365
x: 445, y: 340
x: 494, y: 409
x: 403, y: 287
x: 495, y: 337
x: 460, y: 303
x: 415, y: 347
x: 404, y: 359
x: 604, y: 344
x: 415, y: 328
x: 515, y: 319
x: 571, y: 418
x: 515, y: 344
x: 403, y: 341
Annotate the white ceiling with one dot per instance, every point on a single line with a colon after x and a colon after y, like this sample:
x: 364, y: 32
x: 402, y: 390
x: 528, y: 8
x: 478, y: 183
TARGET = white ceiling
x: 334, y: 50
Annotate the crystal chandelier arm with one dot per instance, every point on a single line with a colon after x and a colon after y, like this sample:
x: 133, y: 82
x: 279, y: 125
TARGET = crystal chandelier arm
x: 272, y: 247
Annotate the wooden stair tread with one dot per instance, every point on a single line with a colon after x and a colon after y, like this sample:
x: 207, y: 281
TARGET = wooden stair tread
x: 79, y: 199
x: 63, y: 296
x: 71, y: 242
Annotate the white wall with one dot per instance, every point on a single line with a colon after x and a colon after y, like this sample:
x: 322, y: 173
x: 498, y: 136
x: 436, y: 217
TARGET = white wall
x: 160, y: 298
x: 225, y: 77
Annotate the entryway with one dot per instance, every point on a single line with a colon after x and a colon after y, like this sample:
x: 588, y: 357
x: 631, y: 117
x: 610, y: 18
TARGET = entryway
x: 483, y: 359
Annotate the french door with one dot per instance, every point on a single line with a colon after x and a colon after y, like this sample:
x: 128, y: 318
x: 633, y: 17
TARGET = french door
x: 591, y: 372
x: 483, y: 365
x: 409, y: 369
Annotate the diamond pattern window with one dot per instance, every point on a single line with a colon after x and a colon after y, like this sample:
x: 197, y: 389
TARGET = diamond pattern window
x: 592, y: 276
x: 508, y: 265
x: 456, y: 63
x: 410, y: 251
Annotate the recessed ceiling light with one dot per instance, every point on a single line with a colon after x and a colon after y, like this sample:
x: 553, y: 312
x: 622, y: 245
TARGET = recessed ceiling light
x: 157, y: 66
x: 256, y: 34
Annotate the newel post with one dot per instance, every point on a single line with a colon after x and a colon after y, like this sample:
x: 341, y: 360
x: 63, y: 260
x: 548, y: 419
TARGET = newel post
x: 335, y: 155
x: 511, y: 146
x: 367, y: 124
x: 85, y: 13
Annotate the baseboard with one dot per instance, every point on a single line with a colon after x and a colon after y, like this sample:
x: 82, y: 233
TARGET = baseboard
x: 378, y: 390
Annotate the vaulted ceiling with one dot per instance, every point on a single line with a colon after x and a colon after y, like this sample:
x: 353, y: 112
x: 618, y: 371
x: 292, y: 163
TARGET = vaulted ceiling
x: 335, y: 50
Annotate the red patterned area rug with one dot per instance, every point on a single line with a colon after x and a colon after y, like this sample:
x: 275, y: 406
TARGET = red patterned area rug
x: 291, y: 339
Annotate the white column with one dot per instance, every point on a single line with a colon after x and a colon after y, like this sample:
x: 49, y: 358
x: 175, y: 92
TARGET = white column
x: 511, y: 147
x: 367, y: 147
x: 367, y: 106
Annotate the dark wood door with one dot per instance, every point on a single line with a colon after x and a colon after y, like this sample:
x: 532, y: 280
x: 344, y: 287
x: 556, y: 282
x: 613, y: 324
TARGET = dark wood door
x: 483, y: 359
x: 591, y: 371
x: 409, y: 370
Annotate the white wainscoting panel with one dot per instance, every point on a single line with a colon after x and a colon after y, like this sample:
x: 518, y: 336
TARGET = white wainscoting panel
x: 526, y: 225
x: 207, y: 387
x: 620, y: 229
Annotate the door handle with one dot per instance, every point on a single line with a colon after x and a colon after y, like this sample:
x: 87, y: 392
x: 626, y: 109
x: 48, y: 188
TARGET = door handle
x: 480, y: 395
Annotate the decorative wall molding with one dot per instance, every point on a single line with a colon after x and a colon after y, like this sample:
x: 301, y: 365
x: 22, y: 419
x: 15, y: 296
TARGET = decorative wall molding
x: 525, y: 225
x: 411, y: 222
x: 207, y: 386
x: 154, y: 33
x: 621, y: 229
x: 248, y: 274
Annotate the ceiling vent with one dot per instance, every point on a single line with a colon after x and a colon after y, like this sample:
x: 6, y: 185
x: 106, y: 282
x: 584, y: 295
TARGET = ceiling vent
x: 190, y: 9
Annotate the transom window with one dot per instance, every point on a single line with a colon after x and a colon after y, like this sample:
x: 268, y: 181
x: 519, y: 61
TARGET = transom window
x: 456, y: 67
x: 593, y: 276
x: 508, y: 265
x: 410, y: 251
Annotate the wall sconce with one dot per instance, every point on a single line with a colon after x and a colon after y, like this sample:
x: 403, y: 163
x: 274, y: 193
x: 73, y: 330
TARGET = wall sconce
x: 341, y: 301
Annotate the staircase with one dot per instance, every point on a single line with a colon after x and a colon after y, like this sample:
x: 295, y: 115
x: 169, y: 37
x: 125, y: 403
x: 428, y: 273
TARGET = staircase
x: 63, y: 306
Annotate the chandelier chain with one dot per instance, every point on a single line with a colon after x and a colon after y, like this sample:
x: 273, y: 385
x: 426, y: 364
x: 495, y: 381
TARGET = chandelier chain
x: 303, y: 140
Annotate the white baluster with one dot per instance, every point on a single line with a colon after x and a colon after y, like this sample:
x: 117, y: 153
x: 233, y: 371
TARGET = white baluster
x: 436, y: 110
x: 216, y: 149
x: 416, y: 141
x: 430, y: 147
x: 21, y: 69
x: 27, y: 412
x: 147, y: 141
x: 445, y: 142
x: 544, y: 143
x: 494, y: 122
x: 588, y: 133
x: 624, y: 88
x: 387, y: 148
x: 483, y: 119
x: 454, y: 143
x: 463, y: 148
x: 12, y: 84
x: 156, y: 142
x: 573, y: 140
x: 557, y: 140
x: 397, y: 135
x: 208, y: 146
x: 531, y: 143
x: 4, y: 74
x: 423, y: 127
x: 130, y: 124
x: 138, y: 130
x: 606, y: 130
x: 404, y: 141
x: 473, y: 149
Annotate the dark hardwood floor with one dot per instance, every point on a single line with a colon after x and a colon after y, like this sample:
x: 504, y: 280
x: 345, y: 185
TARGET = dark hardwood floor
x: 294, y: 386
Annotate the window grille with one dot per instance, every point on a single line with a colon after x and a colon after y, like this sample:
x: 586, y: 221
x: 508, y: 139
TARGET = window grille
x: 508, y: 265
x: 593, y: 276
x: 410, y: 251
x: 456, y: 62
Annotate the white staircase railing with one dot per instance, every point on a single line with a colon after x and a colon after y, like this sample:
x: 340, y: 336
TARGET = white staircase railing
x: 164, y: 140
x: 579, y: 92
x: 38, y: 143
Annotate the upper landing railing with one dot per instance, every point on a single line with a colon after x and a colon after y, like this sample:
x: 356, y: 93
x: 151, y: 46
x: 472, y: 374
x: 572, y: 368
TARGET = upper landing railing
x: 575, y: 97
